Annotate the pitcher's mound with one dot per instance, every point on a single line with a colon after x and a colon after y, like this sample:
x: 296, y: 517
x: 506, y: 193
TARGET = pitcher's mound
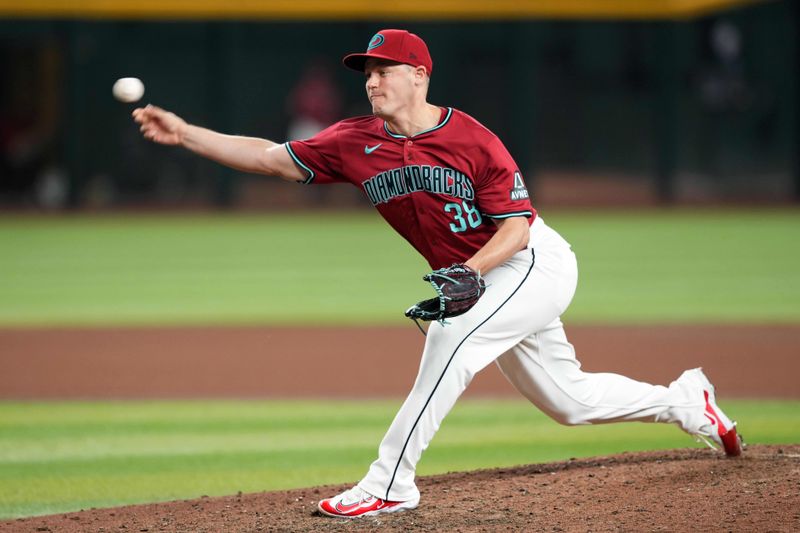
x: 682, y: 490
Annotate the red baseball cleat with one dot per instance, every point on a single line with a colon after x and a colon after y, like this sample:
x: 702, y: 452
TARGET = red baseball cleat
x: 719, y: 432
x: 356, y: 503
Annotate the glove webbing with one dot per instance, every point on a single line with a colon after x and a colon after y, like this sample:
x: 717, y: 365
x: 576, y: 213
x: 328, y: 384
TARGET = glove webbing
x: 442, y: 297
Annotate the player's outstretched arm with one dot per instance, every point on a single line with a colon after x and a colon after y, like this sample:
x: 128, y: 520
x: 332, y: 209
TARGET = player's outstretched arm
x: 248, y: 154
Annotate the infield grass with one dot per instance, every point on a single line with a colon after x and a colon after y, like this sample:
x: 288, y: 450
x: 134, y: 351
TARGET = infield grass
x: 58, y: 457
x: 651, y: 266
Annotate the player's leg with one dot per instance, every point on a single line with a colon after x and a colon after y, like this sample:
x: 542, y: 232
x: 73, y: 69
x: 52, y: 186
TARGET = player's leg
x: 523, y: 296
x: 445, y: 371
x: 450, y: 360
x: 543, y: 367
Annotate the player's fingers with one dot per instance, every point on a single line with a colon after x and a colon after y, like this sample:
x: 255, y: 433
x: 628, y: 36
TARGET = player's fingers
x: 153, y: 110
x: 148, y: 121
x: 144, y: 118
x: 148, y: 132
x: 148, y: 112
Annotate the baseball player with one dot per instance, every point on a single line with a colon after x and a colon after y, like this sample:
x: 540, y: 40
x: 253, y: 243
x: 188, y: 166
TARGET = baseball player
x: 448, y: 186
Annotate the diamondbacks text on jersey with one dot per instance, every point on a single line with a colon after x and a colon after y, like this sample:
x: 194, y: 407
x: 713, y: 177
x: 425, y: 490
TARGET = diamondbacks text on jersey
x: 438, y: 189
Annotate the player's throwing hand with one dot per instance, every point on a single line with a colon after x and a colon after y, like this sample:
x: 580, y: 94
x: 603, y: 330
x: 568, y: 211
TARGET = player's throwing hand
x: 159, y: 125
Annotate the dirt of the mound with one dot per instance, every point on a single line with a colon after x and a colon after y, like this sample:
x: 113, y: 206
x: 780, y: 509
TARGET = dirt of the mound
x: 684, y: 490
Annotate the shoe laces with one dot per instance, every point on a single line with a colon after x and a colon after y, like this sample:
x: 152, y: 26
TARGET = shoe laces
x: 711, y: 437
x: 706, y: 440
x: 356, y: 494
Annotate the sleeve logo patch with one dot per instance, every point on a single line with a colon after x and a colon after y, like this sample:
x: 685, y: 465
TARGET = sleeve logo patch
x: 519, y: 192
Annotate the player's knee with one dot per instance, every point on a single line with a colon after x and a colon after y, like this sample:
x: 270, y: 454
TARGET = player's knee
x: 566, y: 420
x: 569, y: 417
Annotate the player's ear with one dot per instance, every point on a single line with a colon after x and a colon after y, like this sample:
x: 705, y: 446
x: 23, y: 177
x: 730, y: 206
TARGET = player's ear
x: 420, y: 74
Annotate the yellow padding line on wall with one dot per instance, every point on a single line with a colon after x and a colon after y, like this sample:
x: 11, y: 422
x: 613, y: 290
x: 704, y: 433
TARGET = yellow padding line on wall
x: 366, y: 9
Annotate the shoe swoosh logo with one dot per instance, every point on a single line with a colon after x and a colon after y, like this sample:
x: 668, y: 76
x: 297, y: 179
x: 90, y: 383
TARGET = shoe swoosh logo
x: 368, y: 150
x: 346, y: 508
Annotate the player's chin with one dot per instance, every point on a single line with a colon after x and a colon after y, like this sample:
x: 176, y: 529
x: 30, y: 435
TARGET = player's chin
x: 377, y: 108
x: 380, y: 111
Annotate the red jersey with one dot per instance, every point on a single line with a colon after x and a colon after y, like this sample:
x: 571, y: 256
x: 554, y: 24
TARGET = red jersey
x: 438, y: 189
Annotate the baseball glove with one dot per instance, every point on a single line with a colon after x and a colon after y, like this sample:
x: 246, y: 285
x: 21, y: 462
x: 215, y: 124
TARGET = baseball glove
x: 458, y: 288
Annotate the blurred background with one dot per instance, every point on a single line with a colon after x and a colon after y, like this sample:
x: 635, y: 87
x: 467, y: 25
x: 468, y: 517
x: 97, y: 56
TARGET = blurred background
x: 605, y: 102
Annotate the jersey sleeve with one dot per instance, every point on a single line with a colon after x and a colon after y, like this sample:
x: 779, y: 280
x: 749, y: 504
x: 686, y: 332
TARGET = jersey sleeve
x: 500, y: 190
x: 318, y: 156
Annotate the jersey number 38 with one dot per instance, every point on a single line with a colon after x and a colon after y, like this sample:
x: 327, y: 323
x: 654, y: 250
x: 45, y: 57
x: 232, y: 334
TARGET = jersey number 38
x: 464, y: 216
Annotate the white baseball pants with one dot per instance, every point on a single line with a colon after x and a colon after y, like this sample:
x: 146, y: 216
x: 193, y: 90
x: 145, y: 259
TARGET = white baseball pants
x: 516, y: 323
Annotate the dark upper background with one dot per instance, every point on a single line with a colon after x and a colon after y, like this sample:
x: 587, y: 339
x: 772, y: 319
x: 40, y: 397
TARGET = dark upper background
x: 595, y: 112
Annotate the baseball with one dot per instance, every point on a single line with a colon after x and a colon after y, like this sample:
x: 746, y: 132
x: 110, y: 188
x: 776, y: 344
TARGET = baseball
x: 128, y: 89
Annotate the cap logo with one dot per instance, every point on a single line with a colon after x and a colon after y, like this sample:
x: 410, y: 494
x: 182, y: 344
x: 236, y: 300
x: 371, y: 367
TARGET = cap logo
x: 375, y: 42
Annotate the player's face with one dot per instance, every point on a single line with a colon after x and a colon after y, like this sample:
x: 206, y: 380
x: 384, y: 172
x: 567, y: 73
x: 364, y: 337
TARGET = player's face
x: 390, y: 86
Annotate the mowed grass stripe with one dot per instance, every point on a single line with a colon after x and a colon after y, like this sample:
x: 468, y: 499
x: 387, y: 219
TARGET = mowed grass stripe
x: 685, y: 265
x: 215, y: 269
x: 679, y: 266
x: 57, y: 457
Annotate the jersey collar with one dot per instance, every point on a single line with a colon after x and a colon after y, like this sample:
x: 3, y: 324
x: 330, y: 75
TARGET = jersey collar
x: 444, y: 121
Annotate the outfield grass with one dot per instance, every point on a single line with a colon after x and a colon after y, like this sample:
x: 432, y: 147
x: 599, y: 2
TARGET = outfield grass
x: 57, y: 457
x: 638, y: 267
